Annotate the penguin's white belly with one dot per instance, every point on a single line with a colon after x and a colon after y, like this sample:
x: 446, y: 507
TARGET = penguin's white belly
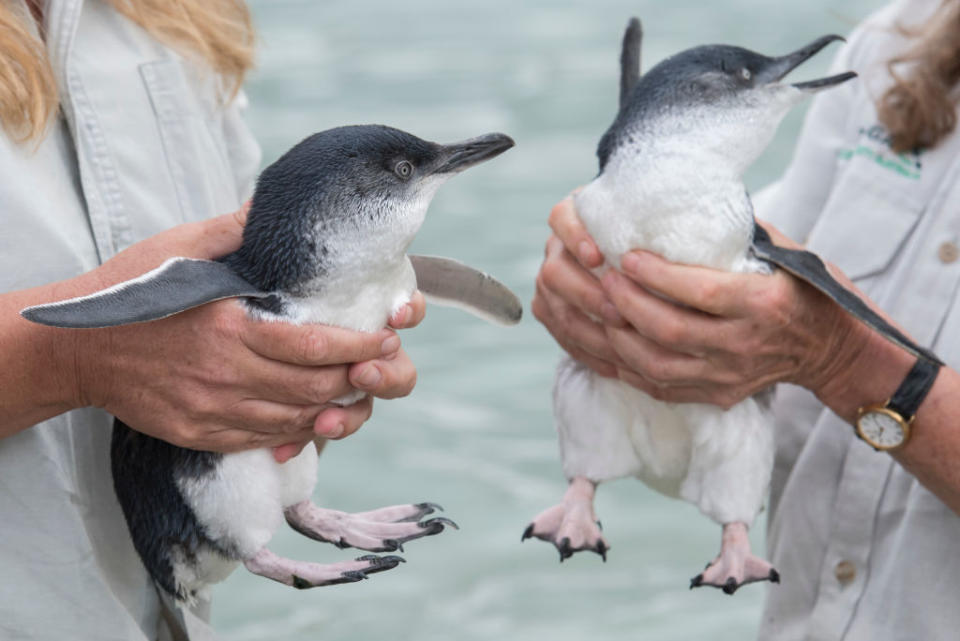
x: 718, y: 460
x: 711, y: 225
x: 241, y: 504
x: 362, y: 301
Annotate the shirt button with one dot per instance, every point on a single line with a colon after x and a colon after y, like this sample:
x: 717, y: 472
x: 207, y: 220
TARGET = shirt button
x: 948, y: 253
x: 845, y: 571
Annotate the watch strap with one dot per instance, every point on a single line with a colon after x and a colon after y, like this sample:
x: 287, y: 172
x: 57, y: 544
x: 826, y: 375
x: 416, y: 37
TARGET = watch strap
x: 914, y: 388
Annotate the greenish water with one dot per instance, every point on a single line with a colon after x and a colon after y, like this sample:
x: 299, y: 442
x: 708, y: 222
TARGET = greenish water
x: 476, y: 435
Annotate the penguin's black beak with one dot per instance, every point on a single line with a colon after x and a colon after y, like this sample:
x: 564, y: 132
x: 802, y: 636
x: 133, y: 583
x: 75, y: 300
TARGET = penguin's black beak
x: 463, y: 155
x: 780, y: 67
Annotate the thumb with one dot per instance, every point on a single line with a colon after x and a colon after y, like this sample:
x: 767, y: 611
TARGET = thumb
x: 221, y: 235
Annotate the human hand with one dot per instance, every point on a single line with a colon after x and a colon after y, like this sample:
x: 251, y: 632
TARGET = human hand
x: 213, y: 378
x: 727, y: 335
x: 390, y: 376
x: 569, y: 299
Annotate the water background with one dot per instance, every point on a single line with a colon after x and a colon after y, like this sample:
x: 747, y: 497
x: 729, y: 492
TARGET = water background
x: 476, y: 435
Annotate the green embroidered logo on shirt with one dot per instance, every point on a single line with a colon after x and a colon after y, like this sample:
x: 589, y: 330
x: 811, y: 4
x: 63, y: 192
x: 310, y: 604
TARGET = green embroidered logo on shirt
x: 907, y: 164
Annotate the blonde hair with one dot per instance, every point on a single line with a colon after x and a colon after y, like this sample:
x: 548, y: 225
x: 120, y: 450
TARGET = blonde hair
x: 217, y: 32
x: 919, y: 110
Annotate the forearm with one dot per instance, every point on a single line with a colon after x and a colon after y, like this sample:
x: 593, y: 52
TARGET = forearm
x: 933, y: 450
x: 38, y: 380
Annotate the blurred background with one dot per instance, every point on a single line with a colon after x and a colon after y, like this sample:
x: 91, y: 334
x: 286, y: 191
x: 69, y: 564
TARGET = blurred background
x: 476, y: 435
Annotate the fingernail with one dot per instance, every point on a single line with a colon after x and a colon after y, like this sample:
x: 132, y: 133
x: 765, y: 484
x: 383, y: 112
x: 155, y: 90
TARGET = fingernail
x: 610, y: 314
x: 369, y: 376
x: 585, y: 251
x: 332, y: 432
x: 630, y: 263
x: 406, y: 315
x: 390, y: 345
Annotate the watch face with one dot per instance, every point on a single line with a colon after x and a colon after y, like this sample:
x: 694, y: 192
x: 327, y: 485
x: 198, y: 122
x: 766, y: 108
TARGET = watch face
x: 881, y: 430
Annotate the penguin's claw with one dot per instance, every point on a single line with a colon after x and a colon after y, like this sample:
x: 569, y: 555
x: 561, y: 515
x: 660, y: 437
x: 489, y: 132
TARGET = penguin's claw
x: 527, y: 533
x: 383, y: 530
x: 571, y: 529
x: 736, y: 566
x: 437, y: 525
x: 303, y: 574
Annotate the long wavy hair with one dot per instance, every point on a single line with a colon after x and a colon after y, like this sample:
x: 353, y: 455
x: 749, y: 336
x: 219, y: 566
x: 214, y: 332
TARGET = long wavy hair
x: 217, y: 32
x: 920, y: 109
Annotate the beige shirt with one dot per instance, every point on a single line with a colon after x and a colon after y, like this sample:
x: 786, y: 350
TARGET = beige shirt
x: 865, y: 552
x: 144, y: 143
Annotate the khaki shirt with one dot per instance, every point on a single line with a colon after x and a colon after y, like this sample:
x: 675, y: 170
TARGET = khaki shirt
x: 865, y: 552
x: 144, y: 143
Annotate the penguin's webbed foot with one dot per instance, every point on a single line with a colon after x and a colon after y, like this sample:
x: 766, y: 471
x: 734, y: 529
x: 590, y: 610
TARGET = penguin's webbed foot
x: 572, y: 525
x: 382, y: 530
x: 736, y: 566
x: 303, y: 574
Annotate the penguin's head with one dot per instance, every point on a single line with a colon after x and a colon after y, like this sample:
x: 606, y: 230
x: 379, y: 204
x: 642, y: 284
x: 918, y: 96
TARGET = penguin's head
x: 722, y: 97
x: 731, y: 76
x: 349, y: 194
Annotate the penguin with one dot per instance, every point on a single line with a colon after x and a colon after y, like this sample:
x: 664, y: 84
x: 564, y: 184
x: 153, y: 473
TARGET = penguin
x: 670, y: 181
x: 325, y: 242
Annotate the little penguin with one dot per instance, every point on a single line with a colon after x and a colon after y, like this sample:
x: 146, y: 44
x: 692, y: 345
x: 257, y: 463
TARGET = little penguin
x: 325, y: 242
x: 670, y: 181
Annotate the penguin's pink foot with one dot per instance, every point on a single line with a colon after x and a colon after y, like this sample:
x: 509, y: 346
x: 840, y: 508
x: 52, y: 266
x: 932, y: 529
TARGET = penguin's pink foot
x: 383, y: 530
x: 302, y: 574
x: 571, y: 526
x: 736, y: 565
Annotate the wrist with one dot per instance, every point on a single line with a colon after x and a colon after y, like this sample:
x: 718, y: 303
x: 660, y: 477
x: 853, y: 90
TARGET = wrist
x: 866, y: 370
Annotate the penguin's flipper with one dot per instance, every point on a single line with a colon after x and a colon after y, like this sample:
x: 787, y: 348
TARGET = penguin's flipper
x: 449, y: 282
x: 808, y: 267
x: 630, y: 59
x: 175, y: 286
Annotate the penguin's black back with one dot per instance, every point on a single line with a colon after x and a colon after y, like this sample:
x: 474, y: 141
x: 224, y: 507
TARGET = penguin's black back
x: 145, y: 470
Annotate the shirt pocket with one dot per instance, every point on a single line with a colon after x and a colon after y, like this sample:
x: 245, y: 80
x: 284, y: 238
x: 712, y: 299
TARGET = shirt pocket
x: 866, y: 220
x: 190, y: 128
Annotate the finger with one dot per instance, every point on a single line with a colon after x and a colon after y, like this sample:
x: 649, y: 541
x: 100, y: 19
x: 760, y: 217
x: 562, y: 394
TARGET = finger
x: 565, y: 278
x: 284, y: 453
x: 271, y: 418
x: 658, y: 364
x: 340, y: 422
x: 600, y: 366
x: 719, y: 396
x: 709, y: 290
x: 314, y: 345
x: 666, y: 323
x: 411, y: 314
x: 571, y: 327
x: 568, y: 228
x: 385, y: 378
x: 542, y: 311
x: 217, y: 438
x: 221, y: 235
x: 295, y: 384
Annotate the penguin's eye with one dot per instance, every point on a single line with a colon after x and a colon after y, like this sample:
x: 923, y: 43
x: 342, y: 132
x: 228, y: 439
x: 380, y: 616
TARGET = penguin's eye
x: 745, y: 73
x: 404, y: 169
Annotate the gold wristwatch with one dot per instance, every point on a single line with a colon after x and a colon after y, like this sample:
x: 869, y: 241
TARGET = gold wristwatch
x: 886, y: 426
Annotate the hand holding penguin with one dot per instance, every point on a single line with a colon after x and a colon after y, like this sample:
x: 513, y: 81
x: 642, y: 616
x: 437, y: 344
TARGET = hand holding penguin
x: 269, y: 364
x: 730, y: 336
x: 325, y: 243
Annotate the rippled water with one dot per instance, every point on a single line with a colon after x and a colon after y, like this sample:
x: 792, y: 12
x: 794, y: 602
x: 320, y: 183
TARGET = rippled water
x: 476, y: 435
